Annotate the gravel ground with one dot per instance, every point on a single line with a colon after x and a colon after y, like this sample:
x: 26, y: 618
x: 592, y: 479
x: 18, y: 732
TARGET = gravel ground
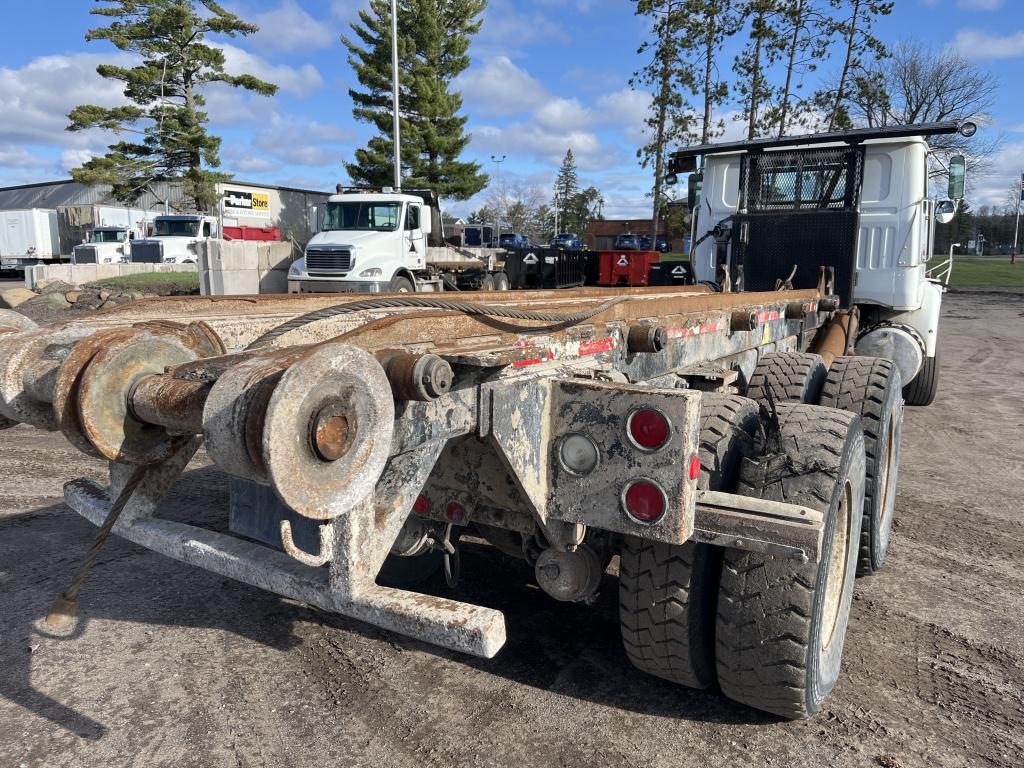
x: 174, y: 666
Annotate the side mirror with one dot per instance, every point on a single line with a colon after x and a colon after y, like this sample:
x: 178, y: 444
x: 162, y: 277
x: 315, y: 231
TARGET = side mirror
x: 693, y: 187
x: 945, y: 210
x: 426, y: 220
x: 313, y: 219
x: 957, y: 177
x: 671, y: 179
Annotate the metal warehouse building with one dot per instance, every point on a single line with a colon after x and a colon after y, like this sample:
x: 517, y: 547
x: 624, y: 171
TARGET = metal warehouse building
x: 294, y: 210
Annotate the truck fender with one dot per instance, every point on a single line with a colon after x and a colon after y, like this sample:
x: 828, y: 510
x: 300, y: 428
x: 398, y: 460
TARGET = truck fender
x: 403, y: 272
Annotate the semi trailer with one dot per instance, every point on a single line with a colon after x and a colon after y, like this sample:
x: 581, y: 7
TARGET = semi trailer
x: 28, y: 237
x: 722, y: 458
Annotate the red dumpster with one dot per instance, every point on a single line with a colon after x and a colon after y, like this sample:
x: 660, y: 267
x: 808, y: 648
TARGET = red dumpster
x: 626, y: 267
x: 252, y: 233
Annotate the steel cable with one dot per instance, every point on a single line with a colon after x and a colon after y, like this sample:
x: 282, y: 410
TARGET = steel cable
x: 466, y: 307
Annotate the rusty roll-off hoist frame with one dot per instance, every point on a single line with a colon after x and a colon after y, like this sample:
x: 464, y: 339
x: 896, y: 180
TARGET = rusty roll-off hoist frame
x: 564, y: 418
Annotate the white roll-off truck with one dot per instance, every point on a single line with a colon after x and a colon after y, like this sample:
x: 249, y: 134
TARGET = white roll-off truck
x: 772, y: 211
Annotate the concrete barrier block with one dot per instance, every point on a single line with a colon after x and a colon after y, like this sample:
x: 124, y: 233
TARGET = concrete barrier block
x: 274, y: 281
x: 233, y: 282
x: 274, y: 256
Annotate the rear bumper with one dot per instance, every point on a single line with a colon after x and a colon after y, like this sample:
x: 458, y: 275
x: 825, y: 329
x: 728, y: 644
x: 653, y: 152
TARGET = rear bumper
x: 336, y: 286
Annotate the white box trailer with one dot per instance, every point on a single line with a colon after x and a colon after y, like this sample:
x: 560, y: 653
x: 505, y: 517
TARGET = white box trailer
x: 28, y: 237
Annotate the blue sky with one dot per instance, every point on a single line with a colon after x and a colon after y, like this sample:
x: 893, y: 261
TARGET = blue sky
x: 546, y: 75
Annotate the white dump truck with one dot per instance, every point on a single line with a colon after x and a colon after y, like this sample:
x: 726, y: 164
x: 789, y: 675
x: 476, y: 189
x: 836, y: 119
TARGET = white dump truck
x: 373, y: 241
x: 175, y: 239
x: 28, y: 237
x: 773, y: 211
x: 104, y: 245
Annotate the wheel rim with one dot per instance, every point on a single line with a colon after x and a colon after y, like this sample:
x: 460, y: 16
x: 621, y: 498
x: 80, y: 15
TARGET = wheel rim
x: 886, y: 484
x: 835, y: 575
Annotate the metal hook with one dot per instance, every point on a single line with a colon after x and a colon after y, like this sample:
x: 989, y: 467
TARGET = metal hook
x: 326, y: 546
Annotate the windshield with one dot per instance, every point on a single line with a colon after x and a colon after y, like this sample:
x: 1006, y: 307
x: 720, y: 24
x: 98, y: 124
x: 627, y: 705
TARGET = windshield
x: 379, y: 217
x: 107, y: 236
x: 176, y: 227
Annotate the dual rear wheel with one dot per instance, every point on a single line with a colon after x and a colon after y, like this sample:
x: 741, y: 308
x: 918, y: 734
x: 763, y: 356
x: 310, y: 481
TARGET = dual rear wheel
x: 770, y: 630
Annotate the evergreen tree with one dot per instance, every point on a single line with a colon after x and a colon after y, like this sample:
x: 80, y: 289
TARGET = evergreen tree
x: 707, y: 25
x: 807, y: 35
x: 762, y: 51
x: 433, y: 40
x: 854, y: 26
x: 669, y: 76
x: 567, y: 182
x: 165, y: 89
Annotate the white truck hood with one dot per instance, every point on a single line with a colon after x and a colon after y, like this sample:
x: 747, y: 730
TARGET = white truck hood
x: 175, y: 247
x: 344, y: 237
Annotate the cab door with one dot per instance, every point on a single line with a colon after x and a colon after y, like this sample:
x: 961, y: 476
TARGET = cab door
x: 414, y: 241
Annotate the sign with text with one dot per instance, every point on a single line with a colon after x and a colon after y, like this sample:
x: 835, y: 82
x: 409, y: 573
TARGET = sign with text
x: 242, y: 203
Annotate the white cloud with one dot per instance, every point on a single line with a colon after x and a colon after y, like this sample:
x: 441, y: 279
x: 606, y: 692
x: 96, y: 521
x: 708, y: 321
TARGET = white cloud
x: 979, y: 44
x: 533, y: 141
x: 288, y: 27
x: 559, y: 114
x: 979, y: 5
x: 499, y: 87
x: 507, y: 29
x: 298, y: 81
x: 296, y: 141
x: 12, y: 156
x: 36, y: 98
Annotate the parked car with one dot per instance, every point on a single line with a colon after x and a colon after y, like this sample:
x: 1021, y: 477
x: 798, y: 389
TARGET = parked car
x: 662, y: 245
x: 627, y: 242
x: 567, y: 240
x: 513, y: 240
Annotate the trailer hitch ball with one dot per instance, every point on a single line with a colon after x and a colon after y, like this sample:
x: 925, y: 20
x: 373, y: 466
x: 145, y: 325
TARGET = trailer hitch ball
x: 646, y: 338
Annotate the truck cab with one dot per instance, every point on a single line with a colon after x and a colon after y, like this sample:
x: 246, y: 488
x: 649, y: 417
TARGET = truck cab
x: 175, y: 239
x: 369, y: 242
x: 855, y: 204
x: 104, y: 245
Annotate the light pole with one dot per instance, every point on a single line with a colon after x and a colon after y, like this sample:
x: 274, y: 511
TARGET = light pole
x: 1016, y: 226
x: 497, y: 176
x: 394, y: 95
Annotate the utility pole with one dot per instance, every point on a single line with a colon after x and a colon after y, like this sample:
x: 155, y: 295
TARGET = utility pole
x: 497, y: 180
x: 394, y: 95
x: 1016, y: 226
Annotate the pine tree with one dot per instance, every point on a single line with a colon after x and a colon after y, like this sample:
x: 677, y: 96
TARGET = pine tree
x: 762, y: 51
x: 166, y: 94
x: 433, y: 40
x: 567, y: 186
x: 708, y: 24
x: 807, y: 34
x: 854, y: 27
x: 670, y: 77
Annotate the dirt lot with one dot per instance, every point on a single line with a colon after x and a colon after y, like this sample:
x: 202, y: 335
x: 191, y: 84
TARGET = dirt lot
x: 178, y: 667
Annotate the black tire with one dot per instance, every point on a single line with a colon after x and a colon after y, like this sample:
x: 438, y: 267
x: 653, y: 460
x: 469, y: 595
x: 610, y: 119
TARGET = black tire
x: 402, y: 285
x: 777, y: 647
x: 501, y: 282
x: 667, y: 592
x: 487, y: 284
x: 871, y: 388
x: 792, y: 377
x: 922, y: 388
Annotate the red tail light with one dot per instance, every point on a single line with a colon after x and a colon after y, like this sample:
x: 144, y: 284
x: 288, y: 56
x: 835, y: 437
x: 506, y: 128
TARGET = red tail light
x: 694, y: 467
x: 644, y: 501
x: 455, y: 512
x: 421, y: 506
x: 648, y: 429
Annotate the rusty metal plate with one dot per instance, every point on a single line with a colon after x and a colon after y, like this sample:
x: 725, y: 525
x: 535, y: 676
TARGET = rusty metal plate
x: 18, y: 352
x: 104, y: 393
x: 66, y: 385
x: 235, y: 408
x: 338, y: 397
